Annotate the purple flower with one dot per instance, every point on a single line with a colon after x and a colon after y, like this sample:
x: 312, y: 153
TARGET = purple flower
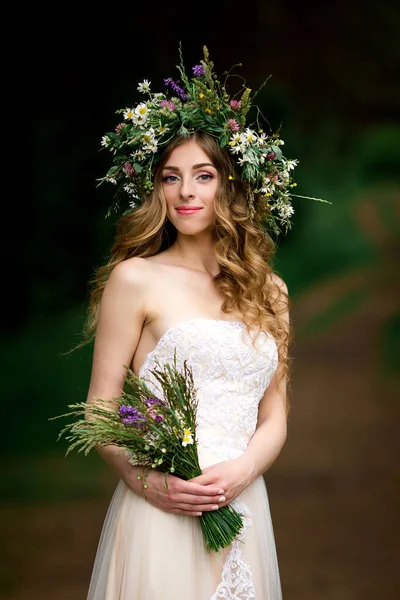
x: 271, y: 155
x: 152, y: 401
x: 167, y: 104
x: 177, y: 89
x: 155, y: 416
x: 232, y: 124
x: 131, y: 416
x: 235, y: 104
x: 198, y: 70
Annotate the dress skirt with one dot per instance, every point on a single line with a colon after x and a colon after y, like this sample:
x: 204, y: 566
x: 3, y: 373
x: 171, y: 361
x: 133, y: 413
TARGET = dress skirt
x: 145, y: 553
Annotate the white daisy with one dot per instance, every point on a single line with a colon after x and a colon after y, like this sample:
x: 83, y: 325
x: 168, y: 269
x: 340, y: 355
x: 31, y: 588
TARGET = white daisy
x: 261, y: 139
x: 129, y: 114
x: 235, y: 139
x: 105, y: 141
x: 151, y: 147
x: 236, y: 149
x: 141, y: 113
x: 144, y: 87
x: 130, y: 189
x: 112, y: 180
x: 291, y: 164
x: 285, y: 211
x: 149, y: 136
x: 248, y: 137
x: 142, y: 110
x: 138, y: 155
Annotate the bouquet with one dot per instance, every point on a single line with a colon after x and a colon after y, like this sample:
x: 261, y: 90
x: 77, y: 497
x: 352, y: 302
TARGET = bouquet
x: 156, y: 433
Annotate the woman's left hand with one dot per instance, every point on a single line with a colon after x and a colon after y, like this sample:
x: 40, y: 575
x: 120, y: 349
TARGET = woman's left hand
x: 233, y: 476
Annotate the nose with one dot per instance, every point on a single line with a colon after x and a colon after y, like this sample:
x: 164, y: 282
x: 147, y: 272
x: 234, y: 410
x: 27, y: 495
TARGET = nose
x: 187, y: 188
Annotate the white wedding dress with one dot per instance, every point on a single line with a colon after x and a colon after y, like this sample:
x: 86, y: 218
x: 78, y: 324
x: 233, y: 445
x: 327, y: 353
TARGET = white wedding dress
x: 147, y: 554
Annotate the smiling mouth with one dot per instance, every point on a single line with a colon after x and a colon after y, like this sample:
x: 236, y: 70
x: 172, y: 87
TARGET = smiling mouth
x: 188, y: 211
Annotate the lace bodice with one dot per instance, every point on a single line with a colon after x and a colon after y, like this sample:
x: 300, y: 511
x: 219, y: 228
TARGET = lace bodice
x: 231, y: 374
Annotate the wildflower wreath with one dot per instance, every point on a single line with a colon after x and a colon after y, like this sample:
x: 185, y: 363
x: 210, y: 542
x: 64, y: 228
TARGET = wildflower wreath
x: 201, y: 102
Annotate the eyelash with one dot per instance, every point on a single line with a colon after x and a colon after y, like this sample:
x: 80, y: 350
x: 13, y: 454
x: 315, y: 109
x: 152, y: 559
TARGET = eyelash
x: 167, y: 178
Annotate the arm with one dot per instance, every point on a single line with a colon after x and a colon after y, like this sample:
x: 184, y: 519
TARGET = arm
x: 122, y: 303
x: 268, y: 439
x: 121, y: 317
x: 270, y: 435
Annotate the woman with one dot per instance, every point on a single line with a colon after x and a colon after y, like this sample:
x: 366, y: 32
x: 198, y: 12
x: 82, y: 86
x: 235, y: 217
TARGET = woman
x: 191, y: 270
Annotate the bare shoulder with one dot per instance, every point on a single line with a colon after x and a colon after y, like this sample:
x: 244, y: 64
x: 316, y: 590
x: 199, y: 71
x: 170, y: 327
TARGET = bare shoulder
x: 279, y: 296
x: 130, y: 272
x: 279, y: 283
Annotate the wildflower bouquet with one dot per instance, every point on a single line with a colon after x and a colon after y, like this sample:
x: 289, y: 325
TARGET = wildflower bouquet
x: 157, y: 433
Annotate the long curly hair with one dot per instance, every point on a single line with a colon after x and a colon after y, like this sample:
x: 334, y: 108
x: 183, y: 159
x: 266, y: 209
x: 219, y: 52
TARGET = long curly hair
x: 244, y: 252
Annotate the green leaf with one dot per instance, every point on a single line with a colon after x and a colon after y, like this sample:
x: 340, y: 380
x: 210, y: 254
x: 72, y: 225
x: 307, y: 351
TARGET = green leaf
x: 112, y: 170
x: 223, y: 140
x: 277, y: 151
x: 138, y: 168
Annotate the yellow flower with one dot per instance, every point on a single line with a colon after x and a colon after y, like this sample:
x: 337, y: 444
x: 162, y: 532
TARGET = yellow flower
x: 294, y: 184
x: 187, y: 438
x: 232, y: 144
x: 207, y: 110
x: 230, y: 176
x: 267, y: 194
x: 201, y: 95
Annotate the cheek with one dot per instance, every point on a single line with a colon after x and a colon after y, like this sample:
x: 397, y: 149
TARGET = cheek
x: 211, y: 193
x: 168, y: 195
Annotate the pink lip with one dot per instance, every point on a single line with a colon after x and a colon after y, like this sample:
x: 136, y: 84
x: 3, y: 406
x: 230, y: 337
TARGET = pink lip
x: 187, y: 211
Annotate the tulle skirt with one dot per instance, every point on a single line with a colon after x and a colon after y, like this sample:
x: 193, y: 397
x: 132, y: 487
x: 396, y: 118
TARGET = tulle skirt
x: 147, y: 554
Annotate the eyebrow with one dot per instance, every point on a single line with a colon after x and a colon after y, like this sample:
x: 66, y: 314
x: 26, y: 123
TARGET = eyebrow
x: 199, y: 166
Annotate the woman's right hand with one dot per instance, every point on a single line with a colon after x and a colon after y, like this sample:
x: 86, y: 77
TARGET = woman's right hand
x: 181, y: 497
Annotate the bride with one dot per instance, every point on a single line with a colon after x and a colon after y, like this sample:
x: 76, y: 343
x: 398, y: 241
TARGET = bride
x: 191, y: 268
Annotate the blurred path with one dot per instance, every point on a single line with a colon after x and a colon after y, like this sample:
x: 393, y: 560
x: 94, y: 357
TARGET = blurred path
x: 333, y: 490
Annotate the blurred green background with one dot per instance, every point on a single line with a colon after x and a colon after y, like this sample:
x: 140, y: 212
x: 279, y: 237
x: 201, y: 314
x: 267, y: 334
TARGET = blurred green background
x: 334, y: 89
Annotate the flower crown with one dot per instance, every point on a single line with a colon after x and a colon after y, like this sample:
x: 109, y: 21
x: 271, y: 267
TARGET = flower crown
x: 200, y: 102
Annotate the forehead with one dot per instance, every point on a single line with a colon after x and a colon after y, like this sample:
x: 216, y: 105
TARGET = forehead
x: 188, y: 154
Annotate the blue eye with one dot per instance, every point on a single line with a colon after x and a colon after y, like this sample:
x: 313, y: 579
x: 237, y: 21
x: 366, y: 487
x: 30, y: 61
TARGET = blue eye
x: 169, y: 178
x: 208, y: 176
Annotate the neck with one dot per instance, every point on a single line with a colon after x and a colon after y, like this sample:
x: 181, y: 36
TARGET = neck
x: 196, y: 252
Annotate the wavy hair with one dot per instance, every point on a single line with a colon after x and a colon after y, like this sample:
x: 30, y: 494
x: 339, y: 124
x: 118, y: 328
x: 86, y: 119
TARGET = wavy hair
x: 244, y: 252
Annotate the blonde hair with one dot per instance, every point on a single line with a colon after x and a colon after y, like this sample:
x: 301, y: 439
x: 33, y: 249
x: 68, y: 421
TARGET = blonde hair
x: 243, y: 250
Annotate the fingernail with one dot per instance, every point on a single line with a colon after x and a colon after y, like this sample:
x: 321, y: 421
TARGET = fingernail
x: 222, y: 499
x: 221, y: 491
x: 198, y: 514
x: 216, y: 507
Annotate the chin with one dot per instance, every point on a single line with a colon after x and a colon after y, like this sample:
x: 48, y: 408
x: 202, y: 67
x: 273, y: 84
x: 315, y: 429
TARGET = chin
x: 191, y: 228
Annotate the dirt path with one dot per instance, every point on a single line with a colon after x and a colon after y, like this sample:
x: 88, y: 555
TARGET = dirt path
x: 333, y: 490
